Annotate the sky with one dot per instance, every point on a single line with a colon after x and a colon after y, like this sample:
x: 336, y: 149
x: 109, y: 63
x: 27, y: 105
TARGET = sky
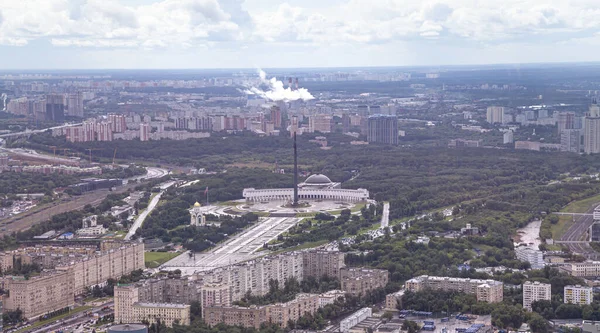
x: 157, y: 34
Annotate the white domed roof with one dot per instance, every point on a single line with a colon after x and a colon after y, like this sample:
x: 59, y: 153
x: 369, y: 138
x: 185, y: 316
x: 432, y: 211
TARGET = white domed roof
x: 317, y: 179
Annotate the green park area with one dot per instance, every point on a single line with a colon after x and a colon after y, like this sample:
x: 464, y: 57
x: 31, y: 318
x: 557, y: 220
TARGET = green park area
x: 155, y: 259
x: 581, y: 206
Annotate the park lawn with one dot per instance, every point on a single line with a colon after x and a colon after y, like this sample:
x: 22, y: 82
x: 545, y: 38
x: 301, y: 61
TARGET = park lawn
x: 155, y: 259
x: 304, y: 246
x: 559, y: 229
x: 53, y: 319
x: 581, y: 206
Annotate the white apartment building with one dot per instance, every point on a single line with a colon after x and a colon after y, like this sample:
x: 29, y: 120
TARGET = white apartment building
x: 535, y: 291
x: 578, y: 295
x: 495, y: 114
x: 533, y: 256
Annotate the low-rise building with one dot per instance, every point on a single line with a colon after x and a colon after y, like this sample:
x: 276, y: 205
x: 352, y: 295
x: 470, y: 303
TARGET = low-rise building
x: 392, y: 300
x: 535, y: 291
x: 490, y: 291
x: 347, y: 323
x: 577, y: 294
x: 358, y: 281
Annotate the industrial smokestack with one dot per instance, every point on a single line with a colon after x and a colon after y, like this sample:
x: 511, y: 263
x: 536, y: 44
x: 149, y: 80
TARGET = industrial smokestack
x: 290, y: 83
x: 296, y: 83
x: 295, y: 203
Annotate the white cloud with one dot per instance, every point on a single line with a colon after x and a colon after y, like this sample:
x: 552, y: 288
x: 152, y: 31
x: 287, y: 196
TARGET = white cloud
x: 188, y: 24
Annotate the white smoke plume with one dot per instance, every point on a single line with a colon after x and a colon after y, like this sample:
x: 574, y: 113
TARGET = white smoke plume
x: 276, y: 91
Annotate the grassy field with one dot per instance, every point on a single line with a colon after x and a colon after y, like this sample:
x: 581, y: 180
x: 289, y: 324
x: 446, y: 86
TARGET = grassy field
x: 155, y: 259
x: 581, y: 206
x: 559, y: 229
x: 53, y: 319
x: 303, y: 246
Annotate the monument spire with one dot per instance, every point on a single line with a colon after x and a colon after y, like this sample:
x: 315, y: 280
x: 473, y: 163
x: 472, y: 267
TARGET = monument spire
x: 295, y: 202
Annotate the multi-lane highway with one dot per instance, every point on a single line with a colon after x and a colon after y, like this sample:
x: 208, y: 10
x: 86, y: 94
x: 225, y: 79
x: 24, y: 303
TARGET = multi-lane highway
x: 578, y: 232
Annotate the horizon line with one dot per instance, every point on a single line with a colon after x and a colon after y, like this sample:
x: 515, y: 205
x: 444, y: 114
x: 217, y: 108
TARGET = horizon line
x: 309, y: 67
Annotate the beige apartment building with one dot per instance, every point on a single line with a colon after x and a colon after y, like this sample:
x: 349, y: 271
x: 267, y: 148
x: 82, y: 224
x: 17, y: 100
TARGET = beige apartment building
x: 74, y: 270
x: 392, y: 300
x: 583, y: 269
x: 252, y: 316
x: 282, y: 313
x: 357, y: 281
x: 124, y: 298
x: 39, y: 295
x: 110, y: 264
x: 129, y: 309
x: 490, y: 291
x: 168, y: 313
x: 318, y: 263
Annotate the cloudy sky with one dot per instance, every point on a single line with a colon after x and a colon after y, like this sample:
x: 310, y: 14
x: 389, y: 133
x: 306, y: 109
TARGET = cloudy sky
x: 302, y: 33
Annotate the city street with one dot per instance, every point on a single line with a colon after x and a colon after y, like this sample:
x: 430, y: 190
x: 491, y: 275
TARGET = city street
x: 140, y: 219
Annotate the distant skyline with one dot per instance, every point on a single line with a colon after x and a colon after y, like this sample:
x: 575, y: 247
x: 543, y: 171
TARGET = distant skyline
x: 181, y: 34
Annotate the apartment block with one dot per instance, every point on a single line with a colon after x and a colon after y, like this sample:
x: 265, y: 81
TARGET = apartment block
x: 533, y: 256
x: 282, y: 313
x: 535, y: 291
x: 130, y: 309
x: 254, y: 316
x: 110, y: 264
x: 235, y: 315
x: 359, y: 281
x: 168, y: 313
x: 583, y: 269
x: 495, y: 114
x: 578, y: 295
x: 39, y: 295
x: 485, y: 290
x: 392, y: 300
x: 322, y: 263
x: 319, y: 123
x: 80, y: 267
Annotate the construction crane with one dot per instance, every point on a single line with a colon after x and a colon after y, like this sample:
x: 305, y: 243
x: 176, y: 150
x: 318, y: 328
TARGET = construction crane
x: 90, y: 150
x: 114, y: 156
